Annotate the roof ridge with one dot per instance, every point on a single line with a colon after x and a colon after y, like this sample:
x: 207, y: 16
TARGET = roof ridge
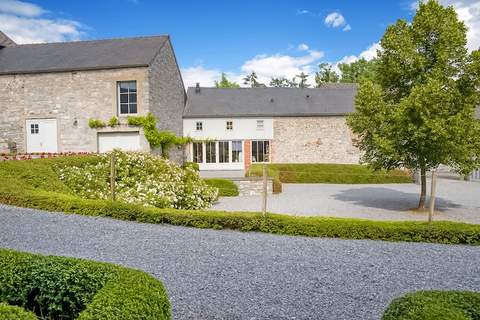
x: 95, y: 40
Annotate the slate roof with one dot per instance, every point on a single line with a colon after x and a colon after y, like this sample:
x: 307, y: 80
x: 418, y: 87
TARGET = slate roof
x: 330, y: 100
x: 80, y: 55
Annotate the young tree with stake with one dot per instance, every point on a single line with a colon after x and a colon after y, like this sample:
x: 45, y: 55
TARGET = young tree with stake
x: 420, y: 112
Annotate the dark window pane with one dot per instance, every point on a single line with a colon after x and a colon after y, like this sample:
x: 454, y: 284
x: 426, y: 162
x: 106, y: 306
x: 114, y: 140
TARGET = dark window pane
x: 211, y: 152
x: 223, y: 152
x: 260, y: 151
x: 133, y: 108
x: 123, y: 98
x: 124, y: 108
x: 123, y: 88
x: 197, y: 152
x: 254, y: 151
x: 133, y: 97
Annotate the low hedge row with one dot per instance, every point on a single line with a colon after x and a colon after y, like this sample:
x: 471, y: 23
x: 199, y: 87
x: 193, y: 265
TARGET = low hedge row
x: 438, y: 232
x: 329, y: 173
x: 67, y: 288
x: 35, y: 184
x: 434, y: 305
x: 15, y: 313
x: 226, y: 188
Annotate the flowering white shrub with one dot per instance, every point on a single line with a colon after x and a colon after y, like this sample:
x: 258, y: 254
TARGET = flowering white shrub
x: 141, y: 178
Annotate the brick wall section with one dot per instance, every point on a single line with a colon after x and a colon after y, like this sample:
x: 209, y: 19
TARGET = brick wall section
x: 167, y: 95
x: 247, y: 147
x: 313, y: 140
x: 65, y: 96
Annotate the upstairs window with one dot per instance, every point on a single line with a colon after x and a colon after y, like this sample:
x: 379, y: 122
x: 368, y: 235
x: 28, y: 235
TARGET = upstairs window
x: 199, y: 126
x: 260, y: 124
x: 229, y: 125
x: 127, y: 97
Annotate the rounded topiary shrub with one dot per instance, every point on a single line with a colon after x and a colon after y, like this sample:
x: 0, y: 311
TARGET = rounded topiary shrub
x: 141, y: 178
x: 15, y: 313
x: 434, y: 305
x: 67, y: 288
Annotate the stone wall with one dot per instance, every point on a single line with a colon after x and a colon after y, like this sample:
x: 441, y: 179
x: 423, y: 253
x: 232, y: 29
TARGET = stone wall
x: 313, y: 140
x: 252, y: 186
x: 167, y: 95
x: 65, y: 96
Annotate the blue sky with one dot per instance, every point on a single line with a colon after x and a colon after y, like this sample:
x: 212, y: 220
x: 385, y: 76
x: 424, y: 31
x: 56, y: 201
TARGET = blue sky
x: 274, y: 38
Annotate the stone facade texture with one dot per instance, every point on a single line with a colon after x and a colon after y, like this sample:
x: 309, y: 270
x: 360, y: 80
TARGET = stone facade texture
x: 252, y: 186
x: 313, y: 140
x: 74, y: 97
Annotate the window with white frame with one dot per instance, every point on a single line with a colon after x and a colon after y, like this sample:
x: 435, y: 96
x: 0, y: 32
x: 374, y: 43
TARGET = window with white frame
x: 210, y: 152
x: 236, y: 151
x: 199, y: 125
x: 260, y: 124
x: 260, y: 151
x: 34, y: 128
x: 223, y: 152
x: 127, y: 97
x: 197, y: 149
x: 229, y: 125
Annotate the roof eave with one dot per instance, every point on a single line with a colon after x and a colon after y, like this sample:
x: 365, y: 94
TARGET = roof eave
x: 74, y: 69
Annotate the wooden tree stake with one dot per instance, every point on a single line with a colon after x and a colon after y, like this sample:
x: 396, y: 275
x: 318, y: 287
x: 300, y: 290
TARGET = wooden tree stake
x: 432, y: 197
x: 264, y: 191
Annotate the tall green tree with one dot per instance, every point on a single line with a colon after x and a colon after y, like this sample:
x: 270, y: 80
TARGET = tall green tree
x: 225, y: 83
x: 420, y: 113
x: 302, y: 80
x: 358, y: 70
x: 325, y: 74
x: 252, y: 81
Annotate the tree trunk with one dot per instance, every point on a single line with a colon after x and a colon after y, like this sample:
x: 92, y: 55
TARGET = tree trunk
x: 423, y: 192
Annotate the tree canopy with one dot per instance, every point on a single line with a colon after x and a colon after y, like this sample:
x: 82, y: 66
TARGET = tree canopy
x: 325, y: 74
x: 358, y: 70
x: 420, y: 112
x: 225, y: 83
x: 252, y: 81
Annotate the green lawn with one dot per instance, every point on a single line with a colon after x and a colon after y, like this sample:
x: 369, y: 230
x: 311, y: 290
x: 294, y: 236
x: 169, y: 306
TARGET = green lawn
x: 329, y: 173
x: 435, y: 305
x: 35, y: 184
x: 226, y: 188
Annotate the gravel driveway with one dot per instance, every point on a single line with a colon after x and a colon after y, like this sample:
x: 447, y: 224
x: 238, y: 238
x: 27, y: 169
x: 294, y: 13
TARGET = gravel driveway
x: 456, y: 201
x: 231, y: 275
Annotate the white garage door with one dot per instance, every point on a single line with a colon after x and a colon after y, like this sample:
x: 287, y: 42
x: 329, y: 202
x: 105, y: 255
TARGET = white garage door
x: 41, y: 135
x: 127, y: 141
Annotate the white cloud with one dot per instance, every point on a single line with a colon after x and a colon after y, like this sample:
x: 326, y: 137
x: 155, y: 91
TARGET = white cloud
x: 302, y: 12
x: 270, y: 66
x: 337, y: 20
x: 20, y: 8
x: 469, y: 12
x: 367, y: 54
x: 24, y: 22
x: 206, y: 77
x: 303, y: 47
x: 265, y: 66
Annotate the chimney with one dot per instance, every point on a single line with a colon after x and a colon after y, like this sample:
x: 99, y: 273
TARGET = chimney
x: 6, y: 41
x: 197, y: 87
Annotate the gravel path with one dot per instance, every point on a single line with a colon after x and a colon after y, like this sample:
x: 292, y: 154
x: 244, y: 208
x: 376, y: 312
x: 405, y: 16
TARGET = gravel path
x: 456, y: 201
x: 231, y: 275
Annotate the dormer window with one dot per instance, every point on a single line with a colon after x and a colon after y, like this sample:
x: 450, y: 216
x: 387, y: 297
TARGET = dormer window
x: 199, y: 126
x: 229, y: 125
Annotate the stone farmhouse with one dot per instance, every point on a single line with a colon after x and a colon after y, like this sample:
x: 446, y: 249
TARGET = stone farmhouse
x: 234, y: 128
x: 48, y: 93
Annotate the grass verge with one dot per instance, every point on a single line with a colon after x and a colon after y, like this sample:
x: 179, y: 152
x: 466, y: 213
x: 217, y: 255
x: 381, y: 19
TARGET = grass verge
x: 34, y: 184
x: 67, y: 288
x: 329, y: 173
x: 434, y: 305
x: 226, y: 188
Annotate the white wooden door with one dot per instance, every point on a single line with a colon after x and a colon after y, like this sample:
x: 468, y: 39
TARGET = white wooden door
x: 41, y: 135
x: 127, y: 141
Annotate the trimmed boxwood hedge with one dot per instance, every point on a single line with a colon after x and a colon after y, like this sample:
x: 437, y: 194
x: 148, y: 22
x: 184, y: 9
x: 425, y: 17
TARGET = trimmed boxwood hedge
x: 434, y: 305
x: 67, y: 288
x: 35, y: 184
x: 15, y: 313
x: 226, y: 188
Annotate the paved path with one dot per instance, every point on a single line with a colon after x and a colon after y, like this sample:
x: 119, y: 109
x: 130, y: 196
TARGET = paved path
x: 456, y: 201
x: 231, y: 275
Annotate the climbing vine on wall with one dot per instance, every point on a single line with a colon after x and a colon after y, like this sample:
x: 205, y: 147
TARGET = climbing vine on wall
x: 155, y: 137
